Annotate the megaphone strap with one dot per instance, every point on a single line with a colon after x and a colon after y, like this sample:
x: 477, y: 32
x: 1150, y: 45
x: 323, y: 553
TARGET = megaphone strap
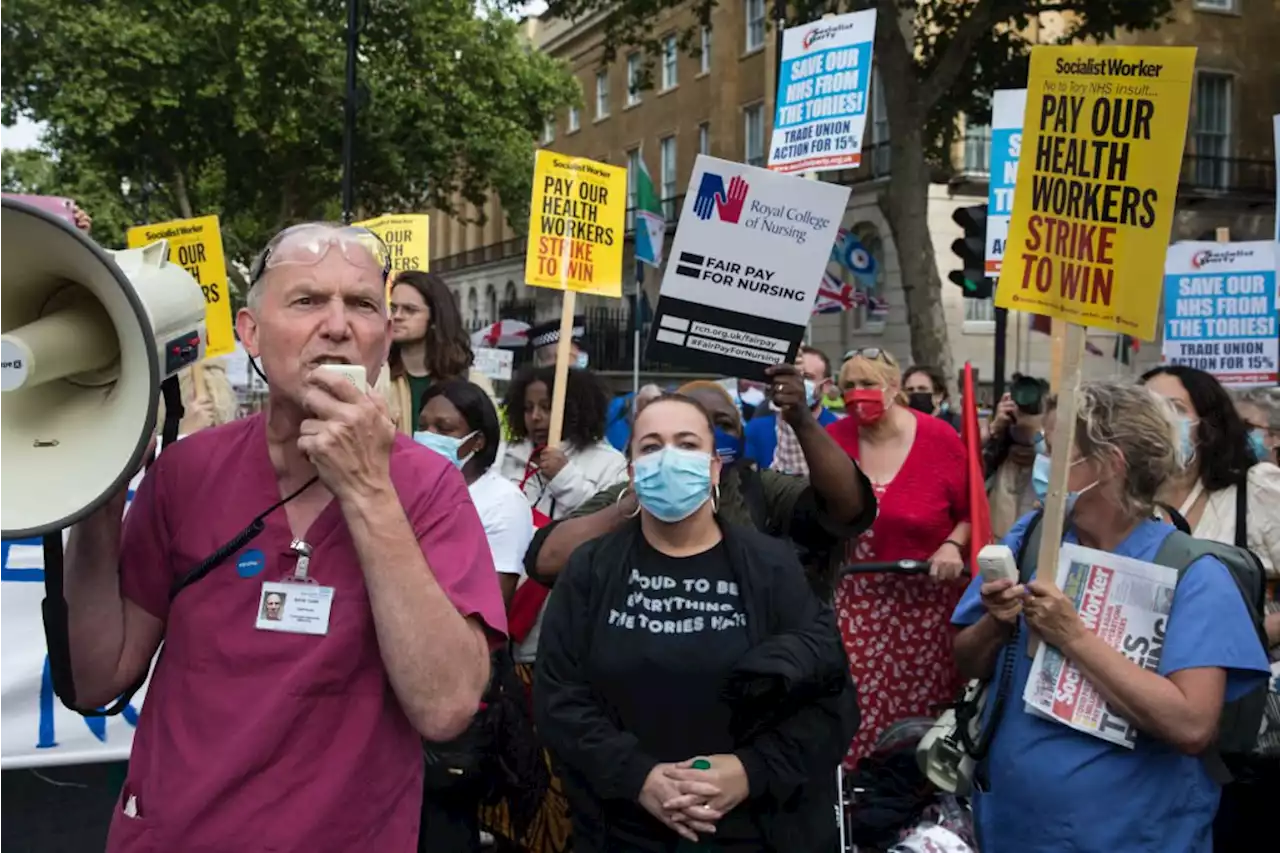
x: 244, y: 537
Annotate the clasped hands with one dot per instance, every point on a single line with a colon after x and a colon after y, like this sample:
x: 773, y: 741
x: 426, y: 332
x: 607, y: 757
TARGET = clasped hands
x: 691, y: 801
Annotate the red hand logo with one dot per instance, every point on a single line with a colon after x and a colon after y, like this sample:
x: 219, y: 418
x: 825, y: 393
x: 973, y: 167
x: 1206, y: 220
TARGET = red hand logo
x: 730, y: 208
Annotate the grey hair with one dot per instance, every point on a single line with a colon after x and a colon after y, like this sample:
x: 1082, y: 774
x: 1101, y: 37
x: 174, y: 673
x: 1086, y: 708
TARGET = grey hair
x: 1266, y: 399
x: 1139, y: 426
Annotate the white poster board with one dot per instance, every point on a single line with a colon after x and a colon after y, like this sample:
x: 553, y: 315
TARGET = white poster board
x: 1007, y: 106
x: 744, y: 269
x: 823, y: 87
x: 1220, y: 311
x: 36, y: 729
x: 493, y: 363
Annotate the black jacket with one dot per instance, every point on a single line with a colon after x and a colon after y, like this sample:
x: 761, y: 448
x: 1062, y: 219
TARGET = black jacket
x: 794, y: 705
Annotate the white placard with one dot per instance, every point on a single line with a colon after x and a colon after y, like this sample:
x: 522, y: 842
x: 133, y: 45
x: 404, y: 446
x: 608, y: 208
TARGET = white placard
x: 745, y: 267
x: 823, y: 88
x: 1220, y: 310
x: 1007, y: 106
x: 492, y: 362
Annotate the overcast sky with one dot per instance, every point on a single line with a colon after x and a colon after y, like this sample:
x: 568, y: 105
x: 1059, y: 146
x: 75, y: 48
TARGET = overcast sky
x: 26, y: 134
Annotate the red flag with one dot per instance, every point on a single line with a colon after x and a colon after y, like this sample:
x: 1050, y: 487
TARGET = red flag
x: 979, y: 509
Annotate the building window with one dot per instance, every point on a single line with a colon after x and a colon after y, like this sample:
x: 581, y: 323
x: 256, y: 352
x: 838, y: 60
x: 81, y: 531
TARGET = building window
x: 979, y: 311
x: 633, y: 171
x: 704, y: 138
x: 668, y: 189
x: 491, y: 304
x: 575, y: 119
x: 753, y: 135
x: 1214, y: 5
x: 633, y: 79
x: 977, y: 149
x: 602, y: 95
x: 1213, y: 130
x: 879, y: 138
x: 548, y: 131
x: 509, y: 293
x: 670, y: 70
x: 755, y: 24
x: 473, y: 308
x: 704, y: 59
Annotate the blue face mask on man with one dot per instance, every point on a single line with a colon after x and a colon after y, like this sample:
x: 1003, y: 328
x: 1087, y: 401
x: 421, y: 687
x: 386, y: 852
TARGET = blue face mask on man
x: 672, y: 484
x: 1257, y: 443
x: 446, y: 445
x: 1040, y: 476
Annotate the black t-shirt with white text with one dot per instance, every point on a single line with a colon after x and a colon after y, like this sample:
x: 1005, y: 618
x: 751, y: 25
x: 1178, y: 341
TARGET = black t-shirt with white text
x: 659, y: 666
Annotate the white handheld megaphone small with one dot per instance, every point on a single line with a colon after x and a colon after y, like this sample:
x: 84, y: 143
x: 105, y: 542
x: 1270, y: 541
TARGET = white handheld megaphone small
x: 87, y: 337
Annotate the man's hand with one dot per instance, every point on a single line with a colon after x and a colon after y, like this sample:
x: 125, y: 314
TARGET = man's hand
x: 550, y: 462
x: 786, y: 392
x: 727, y: 777
x: 660, y: 789
x: 1003, y: 600
x: 349, y: 439
x: 201, y: 413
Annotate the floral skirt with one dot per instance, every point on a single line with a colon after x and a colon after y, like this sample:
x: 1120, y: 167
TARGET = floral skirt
x: 551, y: 830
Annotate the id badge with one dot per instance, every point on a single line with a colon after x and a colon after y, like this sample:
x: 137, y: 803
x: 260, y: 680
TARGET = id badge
x: 295, y: 608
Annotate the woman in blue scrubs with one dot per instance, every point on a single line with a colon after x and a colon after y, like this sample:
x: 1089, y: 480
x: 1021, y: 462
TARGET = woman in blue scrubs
x: 1048, y: 788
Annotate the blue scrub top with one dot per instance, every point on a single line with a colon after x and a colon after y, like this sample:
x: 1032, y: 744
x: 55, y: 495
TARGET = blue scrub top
x: 1053, y: 789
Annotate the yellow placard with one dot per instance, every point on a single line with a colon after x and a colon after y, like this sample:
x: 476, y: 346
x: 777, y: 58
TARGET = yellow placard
x: 576, y: 223
x: 1097, y: 181
x: 196, y: 244
x: 407, y: 235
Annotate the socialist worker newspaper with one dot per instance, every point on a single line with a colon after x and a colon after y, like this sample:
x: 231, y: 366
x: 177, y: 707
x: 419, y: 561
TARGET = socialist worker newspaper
x: 1126, y: 602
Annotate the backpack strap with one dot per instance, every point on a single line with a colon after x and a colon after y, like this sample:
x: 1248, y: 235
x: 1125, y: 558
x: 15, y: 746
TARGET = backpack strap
x: 1029, y: 548
x: 1176, y: 518
x: 1242, y: 512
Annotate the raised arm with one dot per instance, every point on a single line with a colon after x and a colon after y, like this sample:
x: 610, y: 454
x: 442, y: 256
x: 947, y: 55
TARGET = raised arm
x: 549, y: 552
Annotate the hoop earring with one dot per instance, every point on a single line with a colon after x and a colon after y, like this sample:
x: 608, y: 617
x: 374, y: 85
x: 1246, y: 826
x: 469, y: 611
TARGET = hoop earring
x: 715, y: 499
x: 622, y: 494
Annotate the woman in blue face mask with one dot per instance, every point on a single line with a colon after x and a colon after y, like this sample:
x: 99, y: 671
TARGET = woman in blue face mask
x: 459, y: 422
x: 663, y: 651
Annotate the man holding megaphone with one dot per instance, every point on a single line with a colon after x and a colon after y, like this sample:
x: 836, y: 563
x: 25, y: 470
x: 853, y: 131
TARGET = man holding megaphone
x: 323, y: 588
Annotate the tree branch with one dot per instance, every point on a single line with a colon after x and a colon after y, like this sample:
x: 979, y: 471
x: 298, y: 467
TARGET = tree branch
x: 957, y: 53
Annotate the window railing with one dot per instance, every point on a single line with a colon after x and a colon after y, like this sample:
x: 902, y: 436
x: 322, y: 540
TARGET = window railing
x: 1227, y: 175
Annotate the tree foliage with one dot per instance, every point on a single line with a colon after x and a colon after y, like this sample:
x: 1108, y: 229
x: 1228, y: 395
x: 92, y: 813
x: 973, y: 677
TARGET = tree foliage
x: 235, y: 107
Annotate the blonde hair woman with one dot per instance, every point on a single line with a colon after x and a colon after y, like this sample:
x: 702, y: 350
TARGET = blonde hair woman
x: 895, y: 626
x: 1156, y: 795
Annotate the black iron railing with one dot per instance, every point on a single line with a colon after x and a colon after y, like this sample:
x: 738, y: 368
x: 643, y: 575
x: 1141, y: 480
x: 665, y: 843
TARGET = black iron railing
x: 1227, y: 176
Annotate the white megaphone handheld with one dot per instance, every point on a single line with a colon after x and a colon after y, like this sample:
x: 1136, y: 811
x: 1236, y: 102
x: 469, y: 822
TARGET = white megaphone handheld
x: 88, y: 336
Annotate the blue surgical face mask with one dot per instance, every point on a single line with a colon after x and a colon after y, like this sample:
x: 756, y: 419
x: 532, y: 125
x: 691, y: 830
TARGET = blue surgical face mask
x: 672, y: 484
x: 728, y: 446
x: 581, y: 361
x: 1186, y: 441
x: 1258, y: 445
x: 1040, y: 476
x: 1042, y: 446
x: 446, y: 445
x: 1073, y: 497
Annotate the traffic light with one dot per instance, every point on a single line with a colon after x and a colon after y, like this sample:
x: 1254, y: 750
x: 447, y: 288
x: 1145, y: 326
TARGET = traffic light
x: 972, y: 249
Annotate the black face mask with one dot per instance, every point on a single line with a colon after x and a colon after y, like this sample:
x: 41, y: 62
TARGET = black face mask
x: 921, y: 401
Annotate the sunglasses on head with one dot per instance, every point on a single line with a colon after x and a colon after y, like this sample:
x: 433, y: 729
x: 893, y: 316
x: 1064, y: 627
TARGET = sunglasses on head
x: 869, y: 353
x: 310, y: 242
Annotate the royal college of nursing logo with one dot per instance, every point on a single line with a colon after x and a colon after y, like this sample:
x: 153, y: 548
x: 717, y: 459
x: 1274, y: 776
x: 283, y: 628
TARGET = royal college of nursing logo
x: 712, y: 198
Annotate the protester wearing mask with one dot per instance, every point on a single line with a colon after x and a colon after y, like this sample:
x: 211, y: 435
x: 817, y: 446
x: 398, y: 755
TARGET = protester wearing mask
x: 1025, y: 399
x: 685, y: 731
x: 306, y: 736
x: 926, y: 391
x: 768, y: 434
x: 459, y: 422
x: 1260, y: 409
x: 428, y: 344
x: 1021, y: 481
x: 1220, y: 452
x: 895, y: 626
x: 817, y: 514
x: 1050, y: 788
x: 622, y: 411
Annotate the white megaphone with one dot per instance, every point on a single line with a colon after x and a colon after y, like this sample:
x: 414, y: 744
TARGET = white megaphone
x: 88, y: 336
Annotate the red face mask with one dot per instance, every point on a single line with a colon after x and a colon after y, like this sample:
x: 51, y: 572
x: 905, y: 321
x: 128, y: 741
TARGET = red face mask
x: 865, y: 404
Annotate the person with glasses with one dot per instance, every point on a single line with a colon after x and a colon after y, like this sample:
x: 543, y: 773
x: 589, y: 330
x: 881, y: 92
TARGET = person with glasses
x: 301, y: 734
x: 895, y: 626
x: 428, y: 344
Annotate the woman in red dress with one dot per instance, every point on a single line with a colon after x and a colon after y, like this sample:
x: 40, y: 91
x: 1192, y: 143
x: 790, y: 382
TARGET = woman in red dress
x: 896, y: 627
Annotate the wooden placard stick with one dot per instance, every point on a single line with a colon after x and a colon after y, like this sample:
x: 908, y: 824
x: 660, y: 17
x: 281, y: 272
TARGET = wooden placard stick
x: 1053, y: 523
x: 562, y: 369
